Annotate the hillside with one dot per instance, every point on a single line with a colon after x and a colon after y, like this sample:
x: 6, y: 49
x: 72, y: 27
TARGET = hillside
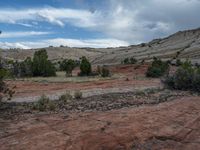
x: 184, y: 44
x: 54, y: 53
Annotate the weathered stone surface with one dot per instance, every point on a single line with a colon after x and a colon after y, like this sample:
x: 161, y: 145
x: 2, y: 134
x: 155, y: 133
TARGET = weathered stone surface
x: 170, y: 125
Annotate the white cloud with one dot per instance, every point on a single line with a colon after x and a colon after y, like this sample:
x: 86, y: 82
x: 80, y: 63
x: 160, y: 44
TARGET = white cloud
x: 96, y: 43
x: 7, y: 45
x: 25, y: 24
x: 22, y: 34
x: 133, y: 21
x: 57, y: 16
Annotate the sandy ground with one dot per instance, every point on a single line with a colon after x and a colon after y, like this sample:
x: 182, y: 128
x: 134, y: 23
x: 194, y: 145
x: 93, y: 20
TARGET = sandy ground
x: 171, y: 125
x: 28, y: 91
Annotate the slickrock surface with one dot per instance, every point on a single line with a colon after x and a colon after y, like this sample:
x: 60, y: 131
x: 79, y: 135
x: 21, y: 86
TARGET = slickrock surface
x: 170, y: 125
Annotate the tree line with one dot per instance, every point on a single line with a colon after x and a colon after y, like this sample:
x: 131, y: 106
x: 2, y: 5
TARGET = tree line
x: 41, y: 66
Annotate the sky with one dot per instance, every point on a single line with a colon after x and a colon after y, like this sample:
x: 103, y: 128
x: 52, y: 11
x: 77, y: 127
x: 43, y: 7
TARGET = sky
x: 92, y: 23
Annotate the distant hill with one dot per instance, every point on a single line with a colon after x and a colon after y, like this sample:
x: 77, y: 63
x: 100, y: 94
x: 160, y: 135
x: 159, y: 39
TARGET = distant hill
x: 183, y: 44
x: 54, y: 53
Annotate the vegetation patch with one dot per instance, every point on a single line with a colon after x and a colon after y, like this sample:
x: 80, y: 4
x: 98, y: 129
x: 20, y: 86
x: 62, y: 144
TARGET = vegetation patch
x: 44, y: 104
x: 65, y: 98
x: 85, y: 67
x: 131, y: 60
x: 39, y: 66
x: 187, y: 77
x: 68, y: 66
x: 78, y: 95
x: 103, y: 71
x: 178, y: 62
x: 5, y: 91
x: 158, y: 68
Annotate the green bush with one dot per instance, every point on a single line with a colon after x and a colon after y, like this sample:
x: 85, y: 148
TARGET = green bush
x: 126, y: 61
x: 68, y: 66
x: 4, y: 90
x: 196, y: 80
x: 187, y: 77
x: 157, y: 69
x: 131, y: 60
x: 22, y: 69
x: 41, y: 65
x: 85, y: 67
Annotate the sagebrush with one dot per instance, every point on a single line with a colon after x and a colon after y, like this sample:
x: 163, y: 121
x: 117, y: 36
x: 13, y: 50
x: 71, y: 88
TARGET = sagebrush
x: 187, y: 77
x: 158, y: 68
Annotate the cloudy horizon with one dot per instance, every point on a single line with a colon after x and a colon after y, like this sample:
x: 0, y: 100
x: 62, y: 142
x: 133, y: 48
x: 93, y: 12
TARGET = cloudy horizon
x: 85, y: 23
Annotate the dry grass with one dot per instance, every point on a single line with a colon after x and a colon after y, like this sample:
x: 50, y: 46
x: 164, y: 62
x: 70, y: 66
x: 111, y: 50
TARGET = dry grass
x: 61, y: 78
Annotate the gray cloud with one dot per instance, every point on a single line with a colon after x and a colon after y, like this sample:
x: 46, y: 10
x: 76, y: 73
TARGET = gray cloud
x: 133, y: 21
x: 141, y: 20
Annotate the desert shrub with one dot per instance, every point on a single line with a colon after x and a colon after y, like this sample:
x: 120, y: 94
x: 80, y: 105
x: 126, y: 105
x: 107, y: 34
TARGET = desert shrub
x: 68, y: 66
x: 85, y: 67
x: 105, y: 72
x: 184, y: 76
x: 44, y: 104
x: 126, y: 61
x: 41, y: 65
x: 178, y: 62
x: 157, y: 69
x: 22, y: 69
x: 187, y: 77
x: 196, y: 80
x: 4, y: 90
x: 178, y: 53
x: 131, y: 60
x: 28, y: 64
x: 65, y: 98
x: 16, y: 69
x: 52, y: 106
x: 78, y: 95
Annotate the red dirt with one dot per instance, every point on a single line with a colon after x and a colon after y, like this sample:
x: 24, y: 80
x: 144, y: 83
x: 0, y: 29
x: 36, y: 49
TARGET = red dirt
x: 135, y: 69
x: 172, y: 125
x: 28, y: 88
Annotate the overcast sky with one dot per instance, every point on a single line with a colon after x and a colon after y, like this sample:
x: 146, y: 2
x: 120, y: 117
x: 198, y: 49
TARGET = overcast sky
x: 92, y: 23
